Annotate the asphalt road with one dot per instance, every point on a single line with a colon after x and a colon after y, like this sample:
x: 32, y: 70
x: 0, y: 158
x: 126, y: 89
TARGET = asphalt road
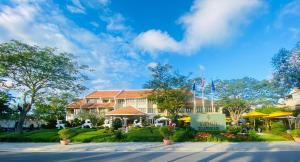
x: 285, y: 156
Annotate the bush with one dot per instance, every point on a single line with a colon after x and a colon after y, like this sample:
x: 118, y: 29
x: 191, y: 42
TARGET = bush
x: 51, y: 124
x: 76, y: 122
x: 184, y: 134
x: 296, y: 133
x: 166, y: 131
x: 118, y: 134
x: 148, y: 134
x: 234, y: 129
x: 65, y: 134
x: 278, y: 128
x: 117, y: 123
x: 252, y: 135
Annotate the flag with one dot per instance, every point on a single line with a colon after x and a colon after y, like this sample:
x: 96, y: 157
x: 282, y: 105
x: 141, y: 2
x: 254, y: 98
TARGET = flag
x: 202, y: 85
x: 194, y: 86
x: 213, y: 89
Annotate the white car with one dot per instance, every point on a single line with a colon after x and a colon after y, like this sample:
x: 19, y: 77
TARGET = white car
x: 87, y: 124
x: 59, y: 124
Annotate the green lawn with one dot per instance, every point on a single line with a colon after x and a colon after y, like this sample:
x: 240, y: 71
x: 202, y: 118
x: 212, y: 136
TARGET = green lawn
x: 105, y: 135
x: 272, y: 137
x: 44, y: 135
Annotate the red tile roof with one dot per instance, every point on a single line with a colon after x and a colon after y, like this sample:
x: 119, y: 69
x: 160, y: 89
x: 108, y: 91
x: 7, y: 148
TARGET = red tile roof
x: 82, y: 104
x: 129, y: 110
x: 103, y: 94
x: 134, y: 93
x: 76, y: 104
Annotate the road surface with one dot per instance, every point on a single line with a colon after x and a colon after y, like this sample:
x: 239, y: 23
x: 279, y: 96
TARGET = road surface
x: 269, y: 156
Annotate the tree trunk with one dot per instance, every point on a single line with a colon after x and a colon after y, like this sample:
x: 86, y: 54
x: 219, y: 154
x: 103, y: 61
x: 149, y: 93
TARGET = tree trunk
x: 21, y: 121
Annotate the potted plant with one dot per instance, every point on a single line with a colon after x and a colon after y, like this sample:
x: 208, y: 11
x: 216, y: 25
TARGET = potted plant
x: 64, y: 136
x: 297, y: 135
x: 167, y: 132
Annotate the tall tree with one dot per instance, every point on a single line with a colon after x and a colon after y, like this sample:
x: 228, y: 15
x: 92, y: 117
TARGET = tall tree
x: 52, y: 107
x: 235, y: 106
x: 255, y: 91
x: 286, y: 66
x: 36, y: 71
x: 170, y: 89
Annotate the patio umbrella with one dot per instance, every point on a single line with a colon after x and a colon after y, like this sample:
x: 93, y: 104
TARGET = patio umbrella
x: 185, y: 119
x: 282, y: 115
x: 254, y: 115
x: 279, y: 114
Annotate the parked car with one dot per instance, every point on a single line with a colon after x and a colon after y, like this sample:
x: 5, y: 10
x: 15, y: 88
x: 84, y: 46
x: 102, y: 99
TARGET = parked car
x: 87, y: 124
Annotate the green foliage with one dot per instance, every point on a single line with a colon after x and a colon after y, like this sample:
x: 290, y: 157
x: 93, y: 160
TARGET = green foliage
x: 278, y: 128
x: 269, y: 109
x: 65, y: 133
x: 235, y: 106
x: 252, y: 135
x: 51, y: 124
x: 148, y: 134
x: 296, y: 132
x: 118, y: 134
x: 96, y: 119
x: 117, y: 123
x: 234, y: 129
x: 255, y: 91
x: 52, y: 107
x: 183, y: 134
x: 45, y: 135
x: 171, y: 100
x: 166, y: 131
x: 36, y: 71
x: 170, y: 89
x: 287, y: 68
x: 76, y: 122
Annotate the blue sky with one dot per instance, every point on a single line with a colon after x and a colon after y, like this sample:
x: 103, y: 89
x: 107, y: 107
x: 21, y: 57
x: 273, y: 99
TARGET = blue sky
x: 119, y: 39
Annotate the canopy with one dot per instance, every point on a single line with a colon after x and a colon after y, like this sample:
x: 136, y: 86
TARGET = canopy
x: 162, y: 118
x: 279, y: 114
x: 186, y: 119
x: 254, y: 114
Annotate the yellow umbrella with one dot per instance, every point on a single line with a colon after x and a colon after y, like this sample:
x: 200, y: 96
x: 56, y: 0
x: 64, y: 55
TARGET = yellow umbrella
x: 254, y: 114
x: 228, y: 119
x: 279, y: 114
x: 185, y: 119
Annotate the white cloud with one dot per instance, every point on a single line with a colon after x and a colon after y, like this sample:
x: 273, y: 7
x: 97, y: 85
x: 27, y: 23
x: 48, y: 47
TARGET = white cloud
x: 115, y: 22
x: 152, y: 64
x: 208, y: 22
x: 155, y: 40
x: 292, y: 8
x: 201, y: 68
x: 112, y: 57
x: 76, y: 7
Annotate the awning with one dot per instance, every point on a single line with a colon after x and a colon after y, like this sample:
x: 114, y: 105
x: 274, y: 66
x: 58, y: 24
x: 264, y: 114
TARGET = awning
x: 279, y: 114
x: 254, y: 114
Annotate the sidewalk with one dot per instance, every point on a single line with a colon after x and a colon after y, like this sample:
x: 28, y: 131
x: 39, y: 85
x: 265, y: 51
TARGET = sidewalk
x: 152, y: 147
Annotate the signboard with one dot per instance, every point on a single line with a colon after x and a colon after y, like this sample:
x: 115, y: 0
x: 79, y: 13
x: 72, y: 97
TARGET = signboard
x: 208, y: 121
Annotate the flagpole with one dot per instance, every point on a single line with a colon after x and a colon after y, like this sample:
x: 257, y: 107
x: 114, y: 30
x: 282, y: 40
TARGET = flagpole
x: 203, y: 102
x: 194, y: 90
x: 194, y: 101
x: 212, y: 101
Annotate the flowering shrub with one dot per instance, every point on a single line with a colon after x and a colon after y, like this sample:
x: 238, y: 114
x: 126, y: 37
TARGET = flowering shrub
x: 202, y: 135
x: 228, y: 135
